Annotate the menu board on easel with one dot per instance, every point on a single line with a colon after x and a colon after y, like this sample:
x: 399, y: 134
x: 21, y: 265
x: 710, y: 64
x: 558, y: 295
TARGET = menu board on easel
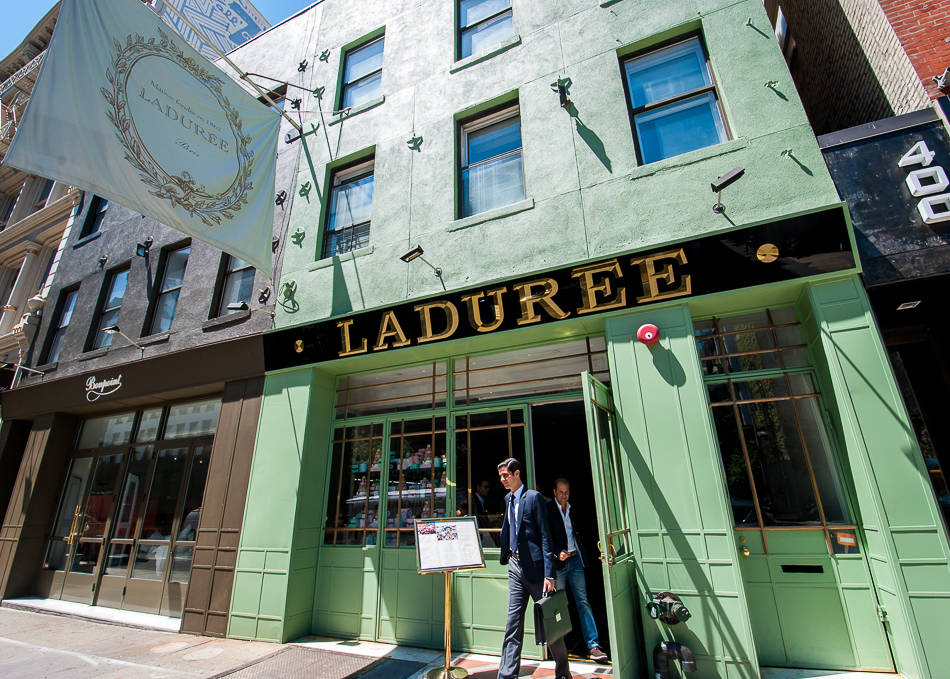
x: 448, y: 544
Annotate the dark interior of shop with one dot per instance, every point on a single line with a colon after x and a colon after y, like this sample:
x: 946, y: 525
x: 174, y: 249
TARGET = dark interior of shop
x: 559, y: 432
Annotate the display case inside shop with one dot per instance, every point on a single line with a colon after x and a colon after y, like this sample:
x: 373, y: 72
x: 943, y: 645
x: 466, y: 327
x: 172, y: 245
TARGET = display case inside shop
x: 417, y: 479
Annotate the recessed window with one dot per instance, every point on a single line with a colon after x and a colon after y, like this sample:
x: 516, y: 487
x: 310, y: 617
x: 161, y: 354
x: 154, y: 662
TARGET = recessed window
x: 351, y: 205
x: 173, y: 273
x: 673, y: 101
x: 108, y: 316
x: 491, y: 174
x: 362, y: 74
x: 237, y: 284
x: 57, y: 331
x: 97, y: 212
x: 45, y: 189
x: 482, y: 25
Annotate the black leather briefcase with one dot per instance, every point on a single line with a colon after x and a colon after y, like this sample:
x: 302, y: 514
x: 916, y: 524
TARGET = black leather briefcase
x: 552, y: 620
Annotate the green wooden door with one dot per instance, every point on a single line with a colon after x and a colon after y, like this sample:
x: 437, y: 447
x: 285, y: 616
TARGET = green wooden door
x: 616, y: 555
x: 808, y: 583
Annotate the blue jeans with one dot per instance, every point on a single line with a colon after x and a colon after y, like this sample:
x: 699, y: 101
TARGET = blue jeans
x: 571, y: 576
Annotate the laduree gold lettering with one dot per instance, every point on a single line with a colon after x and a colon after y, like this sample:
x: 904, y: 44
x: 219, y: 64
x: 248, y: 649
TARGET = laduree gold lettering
x: 545, y: 298
x: 590, y: 287
x: 650, y: 275
x: 425, y: 317
x: 346, y: 341
x: 389, y: 328
x: 475, y: 312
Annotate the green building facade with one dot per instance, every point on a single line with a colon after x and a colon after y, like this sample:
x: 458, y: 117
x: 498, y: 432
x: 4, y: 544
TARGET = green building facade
x: 756, y: 461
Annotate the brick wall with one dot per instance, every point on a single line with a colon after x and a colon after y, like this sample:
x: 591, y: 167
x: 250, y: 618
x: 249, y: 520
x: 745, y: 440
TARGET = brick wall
x: 849, y: 66
x: 923, y: 28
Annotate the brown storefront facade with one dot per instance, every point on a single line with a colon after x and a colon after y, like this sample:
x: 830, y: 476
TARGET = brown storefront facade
x: 125, y: 487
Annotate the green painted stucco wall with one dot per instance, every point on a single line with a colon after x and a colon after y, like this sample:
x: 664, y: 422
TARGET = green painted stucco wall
x: 586, y: 198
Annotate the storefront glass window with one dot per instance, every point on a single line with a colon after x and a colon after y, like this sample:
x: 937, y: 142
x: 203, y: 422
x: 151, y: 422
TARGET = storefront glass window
x: 163, y: 495
x: 417, y: 477
x: 110, y: 430
x: 533, y: 371
x: 355, y: 479
x: 421, y: 386
x: 148, y: 425
x: 192, y: 419
x: 776, y: 454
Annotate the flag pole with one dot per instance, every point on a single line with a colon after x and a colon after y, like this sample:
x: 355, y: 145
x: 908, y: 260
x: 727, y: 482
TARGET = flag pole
x: 242, y: 74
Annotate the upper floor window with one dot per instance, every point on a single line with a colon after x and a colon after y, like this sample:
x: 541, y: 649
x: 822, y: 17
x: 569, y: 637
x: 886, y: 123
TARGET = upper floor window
x: 351, y: 202
x: 362, y: 74
x: 108, y: 316
x: 45, y: 189
x: 491, y: 173
x: 673, y: 101
x: 6, y: 210
x: 57, y: 329
x: 236, y: 285
x: 97, y: 212
x: 482, y: 25
x: 173, y: 273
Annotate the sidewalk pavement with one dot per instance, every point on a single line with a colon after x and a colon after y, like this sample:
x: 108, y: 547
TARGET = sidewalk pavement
x: 36, y: 645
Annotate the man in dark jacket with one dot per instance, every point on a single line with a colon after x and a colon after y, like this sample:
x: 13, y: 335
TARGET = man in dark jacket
x: 571, y: 560
x: 526, y: 549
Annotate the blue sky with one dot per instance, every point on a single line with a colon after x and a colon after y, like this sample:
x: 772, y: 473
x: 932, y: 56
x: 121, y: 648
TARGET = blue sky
x: 19, y: 16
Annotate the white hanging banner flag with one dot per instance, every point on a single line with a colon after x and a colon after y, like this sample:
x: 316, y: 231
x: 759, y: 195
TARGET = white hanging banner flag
x: 125, y: 108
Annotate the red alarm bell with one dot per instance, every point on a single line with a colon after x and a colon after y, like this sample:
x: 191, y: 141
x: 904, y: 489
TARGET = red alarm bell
x: 648, y: 333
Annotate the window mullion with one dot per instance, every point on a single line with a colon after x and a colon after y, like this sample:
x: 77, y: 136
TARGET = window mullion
x: 486, y: 20
x: 675, y: 99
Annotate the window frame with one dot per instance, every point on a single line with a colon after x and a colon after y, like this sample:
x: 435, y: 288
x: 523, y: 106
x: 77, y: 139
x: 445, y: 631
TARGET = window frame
x: 218, y: 308
x: 96, y: 327
x: 461, y: 30
x: 479, y: 122
x: 94, y: 217
x: 56, y: 327
x: 159, y: 290
x: 338, y: 176
x: 345, y: 84
x: 712, y: 87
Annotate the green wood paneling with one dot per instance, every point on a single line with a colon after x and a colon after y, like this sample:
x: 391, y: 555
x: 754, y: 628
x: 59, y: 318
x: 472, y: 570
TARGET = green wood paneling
x: 273, y: 592
x: 905, y: 538
x: 679, y: 509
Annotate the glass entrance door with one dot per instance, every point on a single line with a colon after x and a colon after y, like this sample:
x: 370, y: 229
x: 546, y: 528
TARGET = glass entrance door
x: 92, y: 525
x: 125, y: 529
x: 616, y: 555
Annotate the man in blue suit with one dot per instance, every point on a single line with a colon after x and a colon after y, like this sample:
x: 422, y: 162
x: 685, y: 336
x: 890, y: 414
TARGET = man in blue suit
x: 526, y: 549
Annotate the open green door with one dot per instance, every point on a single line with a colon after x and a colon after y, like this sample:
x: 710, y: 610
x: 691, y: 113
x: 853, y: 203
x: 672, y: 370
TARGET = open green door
x: 616, y: 555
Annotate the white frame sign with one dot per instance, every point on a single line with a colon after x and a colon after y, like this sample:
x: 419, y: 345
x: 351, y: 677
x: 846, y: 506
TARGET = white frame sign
x: 448, y: 544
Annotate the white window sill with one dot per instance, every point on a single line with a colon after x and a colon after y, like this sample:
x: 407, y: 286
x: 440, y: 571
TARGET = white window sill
x: 343, y: 115
x: 690, y: 157
x: 478, y: 58
x: 336, y: 259
x: 488, y: 215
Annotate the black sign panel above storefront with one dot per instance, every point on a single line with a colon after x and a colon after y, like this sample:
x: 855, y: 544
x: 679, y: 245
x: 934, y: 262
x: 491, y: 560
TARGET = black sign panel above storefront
x: 806, y: 245
x: 895, y: 176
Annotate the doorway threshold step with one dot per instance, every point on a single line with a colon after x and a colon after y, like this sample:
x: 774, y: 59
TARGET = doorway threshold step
x: 792, y: 673
x: 113, y: 616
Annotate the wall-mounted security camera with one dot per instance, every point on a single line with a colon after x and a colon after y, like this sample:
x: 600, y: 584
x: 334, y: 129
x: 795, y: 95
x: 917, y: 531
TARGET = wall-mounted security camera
x: 721, y: 182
